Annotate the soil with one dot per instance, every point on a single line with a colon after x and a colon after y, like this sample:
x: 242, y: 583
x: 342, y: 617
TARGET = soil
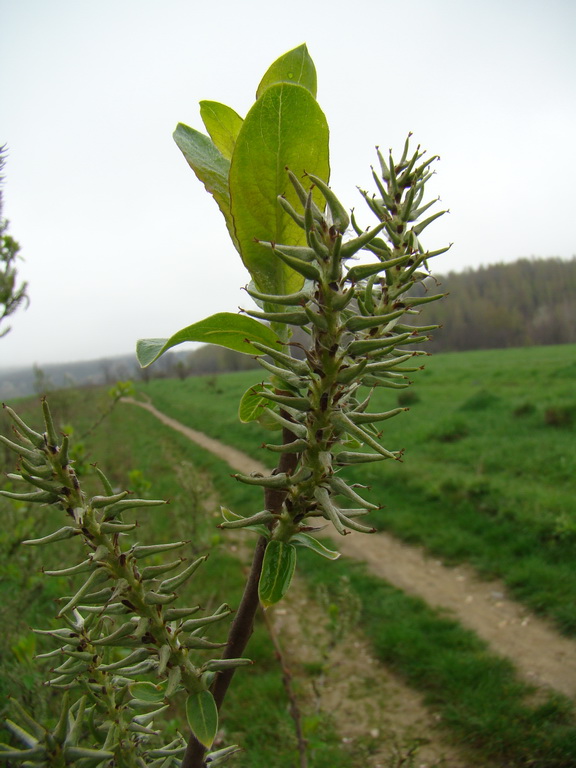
x: 543, y: 656
x: 540, y: 654
x: 382, y: 722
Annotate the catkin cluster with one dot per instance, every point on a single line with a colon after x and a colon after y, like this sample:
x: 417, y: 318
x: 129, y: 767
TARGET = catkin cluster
x: 119, y: 625
x: 357, y: 314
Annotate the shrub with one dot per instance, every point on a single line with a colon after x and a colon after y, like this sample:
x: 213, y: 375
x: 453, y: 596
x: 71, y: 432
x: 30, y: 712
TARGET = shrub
x: 124, y: 650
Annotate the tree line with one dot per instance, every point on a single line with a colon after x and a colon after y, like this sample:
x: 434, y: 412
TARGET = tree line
x: 524, y: 303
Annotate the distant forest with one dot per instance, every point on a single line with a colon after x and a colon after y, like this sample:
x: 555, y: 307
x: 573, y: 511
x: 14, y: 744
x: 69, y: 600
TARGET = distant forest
x: 524, y: 303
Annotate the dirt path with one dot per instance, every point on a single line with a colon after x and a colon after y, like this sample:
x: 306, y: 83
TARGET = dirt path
x: 540, y: 654
x: 381, y: 721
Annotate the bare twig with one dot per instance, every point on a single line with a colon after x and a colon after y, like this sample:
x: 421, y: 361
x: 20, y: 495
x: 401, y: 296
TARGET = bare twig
x: 243, y: 624
x: 240, y: 632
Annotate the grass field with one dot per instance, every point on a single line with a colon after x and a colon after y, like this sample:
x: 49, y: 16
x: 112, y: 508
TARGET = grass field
x: 489, y: 472
x: 487, y: 479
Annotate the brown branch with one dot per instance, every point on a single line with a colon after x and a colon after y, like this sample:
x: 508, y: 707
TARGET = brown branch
x: 243, y: 624
x: 240, y: 632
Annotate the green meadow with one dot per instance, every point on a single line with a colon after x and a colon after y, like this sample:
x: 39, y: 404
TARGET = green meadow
x: 488, y: 475
x: 487, y: 479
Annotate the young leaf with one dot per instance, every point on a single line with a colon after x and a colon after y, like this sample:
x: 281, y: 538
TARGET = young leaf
x: 277, y: 571
x: 223, y: 124
x: 252, y: 405
x: 305, y: 540
x: 284, y: 128
x: 225, y: 329
x: 295, y: 66
x: 210, y: 166
x: 146, y: 692
x: 202, y: 716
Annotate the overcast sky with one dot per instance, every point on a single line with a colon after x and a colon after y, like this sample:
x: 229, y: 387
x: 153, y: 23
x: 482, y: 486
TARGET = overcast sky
x: 121, y: 241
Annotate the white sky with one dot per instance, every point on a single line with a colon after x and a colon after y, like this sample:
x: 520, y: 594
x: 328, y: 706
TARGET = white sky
x: 119, y: 238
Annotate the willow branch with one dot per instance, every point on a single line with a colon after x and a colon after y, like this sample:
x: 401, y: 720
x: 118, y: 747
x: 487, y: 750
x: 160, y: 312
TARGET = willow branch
x: 243, y: 624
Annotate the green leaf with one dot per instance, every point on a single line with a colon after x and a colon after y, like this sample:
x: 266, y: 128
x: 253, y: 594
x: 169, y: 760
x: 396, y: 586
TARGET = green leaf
x: 252, y: 405
x: 277, y: 571
x: 305, y: 540
x: 225, y: 329
x: 202, y: 716
x: 210, y: 166
x: 223, y: 124
x: 284, y: 128
x: 146, y: 692
x: 253, y: 408
x: 295, y: 66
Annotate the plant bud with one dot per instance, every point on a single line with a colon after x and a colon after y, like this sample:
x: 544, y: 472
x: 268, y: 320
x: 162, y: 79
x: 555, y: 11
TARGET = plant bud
x: 218, y: 665
x: 371, y: 418
x: 356, y: 526
x: 34, y: 497
x: 291, y: 401
x: 139, y: 551
x: 34, y: 456
x: 181, y: 578
x: 194, y: 642
x: 297, y: 429
x: 330, y: 510
x: 153, y: 571
x: 38, y: 482
x: 172, y: 614
x: 280, y: 481
x: 117, y: 527
x: 289, y: 299
x: 148, y: 717
x: 96, y: 577
x: 419, y: 228
x: 125, y: 504
x: 290, y: 379
x: 305, y: 196
x: 347, y: 458
x: 340, y: 217
x: 296, y: 366
x: 297, y: 217
x: 242, y: 522
x: 122, y: 631
x: 290, y: 318
x: 97, y: 502
x: 79, y: 753
x: 301, y: 252
x: 381, y: 346
x: 174, y: 677
x: 340, y: 487
x: 136, y: 656
x: 218, y: 758
x: 192, y: 624
x: 304, y: 268
x: 163, y: 658
x: 85, y: 565
x: 155, y: 598
x: 70, y: 666
x: 62, y: 533
x: 341, y: 300
x: 140, y: 669
x: 296, y: 446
